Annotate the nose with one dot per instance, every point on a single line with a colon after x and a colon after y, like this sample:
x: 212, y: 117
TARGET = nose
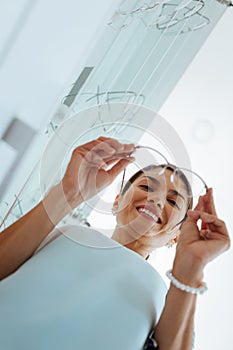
x: 156, y: 202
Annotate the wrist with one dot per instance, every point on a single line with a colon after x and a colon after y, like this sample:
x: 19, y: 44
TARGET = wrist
x: 199, y: 289
x: 70, y: 194
x: 189, y: 271
x: 56, y: 204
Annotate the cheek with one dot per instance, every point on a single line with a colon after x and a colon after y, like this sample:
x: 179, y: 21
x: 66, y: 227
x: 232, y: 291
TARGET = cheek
x: 125, y: 205
x: 174, y: 215
x: 131, y: 198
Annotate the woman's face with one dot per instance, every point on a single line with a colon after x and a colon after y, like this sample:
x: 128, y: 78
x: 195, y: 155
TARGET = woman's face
x: 153, y: 205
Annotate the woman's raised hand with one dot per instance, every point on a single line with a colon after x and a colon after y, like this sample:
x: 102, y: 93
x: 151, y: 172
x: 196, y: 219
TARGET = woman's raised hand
x: 94, y: 166
x: 199, y: 245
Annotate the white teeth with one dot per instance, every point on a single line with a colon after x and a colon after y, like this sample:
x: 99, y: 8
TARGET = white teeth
x: 148, y: 212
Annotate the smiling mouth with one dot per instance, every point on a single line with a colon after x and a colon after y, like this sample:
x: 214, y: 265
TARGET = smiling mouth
x: 146, y: 212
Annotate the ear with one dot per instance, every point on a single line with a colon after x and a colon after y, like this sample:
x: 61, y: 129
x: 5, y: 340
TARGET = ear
x: 115, y: 203
x: 175, y: 239
x: 171, y: 242
x: 177, y: 235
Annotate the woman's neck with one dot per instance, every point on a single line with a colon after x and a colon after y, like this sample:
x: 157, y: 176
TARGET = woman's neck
x: 122, y: 236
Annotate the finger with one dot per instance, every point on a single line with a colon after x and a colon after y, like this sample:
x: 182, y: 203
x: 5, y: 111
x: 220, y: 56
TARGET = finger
x: 204, y: 226
x: 99, y: 154
x: 216, y: 243
x: 109, y: 147
x: 103, y: 149
x: 203, y: 233
x: 215, y: 236
x: 101, y: 140
x: 200, y: 207
x: 193, y: 216
x: 93, y: 159
x: 117, y: 156
x: 213, y: 222
x: 118, y: 146
x: 104, y: 160
x: 88, y: 145
x: 189, y: 229
x: 120, y: 166
x: 114, y: 160
x: 200, y: 204
x: 209, y: 205
x: 89, y: 158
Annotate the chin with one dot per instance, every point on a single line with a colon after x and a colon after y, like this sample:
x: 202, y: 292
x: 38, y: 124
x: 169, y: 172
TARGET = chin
x: 142, y: 228
x: 152, y: 233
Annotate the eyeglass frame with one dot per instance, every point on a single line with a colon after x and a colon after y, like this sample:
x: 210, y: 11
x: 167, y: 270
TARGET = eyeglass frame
x: 167, y: 164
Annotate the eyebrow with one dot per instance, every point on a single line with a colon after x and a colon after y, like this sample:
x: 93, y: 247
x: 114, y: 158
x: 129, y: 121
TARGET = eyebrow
x: 174, y: 192
x: 156, y: 182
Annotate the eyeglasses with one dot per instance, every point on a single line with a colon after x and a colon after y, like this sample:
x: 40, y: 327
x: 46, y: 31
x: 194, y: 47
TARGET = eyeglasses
x: 149, y: 159
x: 184, y: 180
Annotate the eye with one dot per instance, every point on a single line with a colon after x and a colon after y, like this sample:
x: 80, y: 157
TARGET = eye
x: 173, y: 203
x: 146, y: 188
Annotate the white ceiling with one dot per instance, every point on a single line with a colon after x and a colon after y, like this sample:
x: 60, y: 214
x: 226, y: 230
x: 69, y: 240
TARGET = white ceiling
x: 200, y: 108
x: 37, y: 68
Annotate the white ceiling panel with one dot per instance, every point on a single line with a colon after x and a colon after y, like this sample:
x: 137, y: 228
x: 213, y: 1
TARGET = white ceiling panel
x: 12, y: 17
x: 52, y: 44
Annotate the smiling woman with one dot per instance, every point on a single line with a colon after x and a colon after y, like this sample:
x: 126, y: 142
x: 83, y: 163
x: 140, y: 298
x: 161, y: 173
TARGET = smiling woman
x: 152, y: 193
x: 73, y: 281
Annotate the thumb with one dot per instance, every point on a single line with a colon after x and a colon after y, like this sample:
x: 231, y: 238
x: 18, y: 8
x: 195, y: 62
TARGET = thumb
x: 192, y: 216
x: 189, y: 229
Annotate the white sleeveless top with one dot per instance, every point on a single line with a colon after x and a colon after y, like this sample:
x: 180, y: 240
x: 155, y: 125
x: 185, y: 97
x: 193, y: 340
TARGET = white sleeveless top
x: 81, y: 291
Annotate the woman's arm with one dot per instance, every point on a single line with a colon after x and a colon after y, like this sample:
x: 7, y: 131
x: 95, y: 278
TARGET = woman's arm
x: 92, y: 167
x: 19, y: 241
x: 195, y: 248
x: 174, y: 330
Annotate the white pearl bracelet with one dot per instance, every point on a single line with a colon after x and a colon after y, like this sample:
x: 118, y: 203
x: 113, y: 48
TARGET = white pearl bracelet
x: 202, y: 289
